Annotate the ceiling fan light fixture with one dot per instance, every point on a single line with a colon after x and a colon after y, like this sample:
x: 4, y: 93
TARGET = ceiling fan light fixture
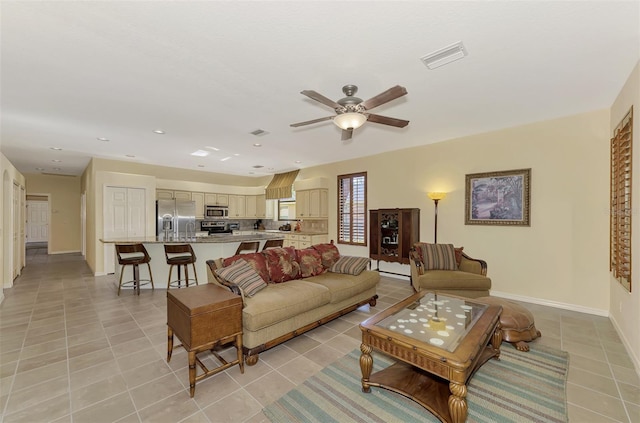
x: 349, y: 120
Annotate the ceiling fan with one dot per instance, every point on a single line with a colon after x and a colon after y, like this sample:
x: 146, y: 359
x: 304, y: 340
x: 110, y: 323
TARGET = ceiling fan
x: 352, y: 112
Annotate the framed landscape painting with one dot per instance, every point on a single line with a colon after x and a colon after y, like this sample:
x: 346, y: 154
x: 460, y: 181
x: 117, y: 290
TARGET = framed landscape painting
x: 498, y: 198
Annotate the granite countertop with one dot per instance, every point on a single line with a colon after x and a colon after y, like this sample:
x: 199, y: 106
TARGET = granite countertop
x: 294, y: 232
x: 218, y: 238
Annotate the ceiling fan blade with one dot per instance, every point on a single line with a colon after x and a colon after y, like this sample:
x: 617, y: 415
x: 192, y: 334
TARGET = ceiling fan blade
x: 385, y: 120
x: 391, y: 94
x: 347, y: 134
x: 309, y: 122
x: 322, y: 99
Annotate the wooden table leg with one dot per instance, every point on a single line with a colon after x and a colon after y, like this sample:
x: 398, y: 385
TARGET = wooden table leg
x: 366, y: 365
x: 192, y: 373
x: 496, y: 340
x: 239, y: 350
x: 458, y: 402
x: 169, y: 343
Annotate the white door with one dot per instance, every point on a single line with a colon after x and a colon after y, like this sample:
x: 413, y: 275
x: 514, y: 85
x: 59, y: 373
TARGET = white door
x: 37, y: 221
x: 124, y: 217
x: 16, y: 231
x: 83, y: 222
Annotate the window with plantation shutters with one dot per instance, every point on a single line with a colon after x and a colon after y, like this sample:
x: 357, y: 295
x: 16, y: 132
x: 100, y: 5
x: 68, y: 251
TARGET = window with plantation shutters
x: 352, y: 209
x: 620, y: 216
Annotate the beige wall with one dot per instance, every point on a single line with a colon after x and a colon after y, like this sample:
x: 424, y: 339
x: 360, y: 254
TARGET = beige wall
x: 87, y: 188
x: 561, y: 259
x: 64, y: 206
x: 10, y: 175
x: 624, y: 305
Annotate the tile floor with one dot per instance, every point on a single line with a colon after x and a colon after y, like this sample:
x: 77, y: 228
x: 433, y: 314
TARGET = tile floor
x: 72, y: 351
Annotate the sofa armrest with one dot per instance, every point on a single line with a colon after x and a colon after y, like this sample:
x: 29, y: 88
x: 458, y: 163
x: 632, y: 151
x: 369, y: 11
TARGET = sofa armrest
x: 472, y: 265
x: 212, y: 265
x: 417, y: 269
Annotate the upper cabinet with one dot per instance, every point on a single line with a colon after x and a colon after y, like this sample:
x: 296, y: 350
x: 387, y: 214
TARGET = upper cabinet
x: 216, y: 199
x: 312, y: 203
x: 237, y: 206
x: 182, y: 195
x: 198, y: 198
x: 164, y: 194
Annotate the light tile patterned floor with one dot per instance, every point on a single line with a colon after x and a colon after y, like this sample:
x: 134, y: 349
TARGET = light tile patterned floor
x: 73, y: 351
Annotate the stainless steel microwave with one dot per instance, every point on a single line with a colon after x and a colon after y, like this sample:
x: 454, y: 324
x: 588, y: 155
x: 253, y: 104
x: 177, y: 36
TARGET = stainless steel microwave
x: 216, y: 212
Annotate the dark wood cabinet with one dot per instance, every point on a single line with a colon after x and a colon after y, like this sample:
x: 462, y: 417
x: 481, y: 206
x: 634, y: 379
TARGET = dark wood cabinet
x: 392, y: 233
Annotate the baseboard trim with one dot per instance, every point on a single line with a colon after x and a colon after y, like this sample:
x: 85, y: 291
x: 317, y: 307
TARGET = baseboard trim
x: 634, y: 358
x: 64, y: 252
x: 550, y: 303
x: 1, y: 296
x: 100, y: 274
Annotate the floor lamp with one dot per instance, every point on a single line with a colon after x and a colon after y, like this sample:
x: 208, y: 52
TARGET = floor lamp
x: 436, y: 196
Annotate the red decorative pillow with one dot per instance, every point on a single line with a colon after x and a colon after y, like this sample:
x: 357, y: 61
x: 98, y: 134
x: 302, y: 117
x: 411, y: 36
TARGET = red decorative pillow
x: 282, y: 264
x: 329, y: 254
x: 458, y: 252
x: 310, y: 262
x: 255, y: 260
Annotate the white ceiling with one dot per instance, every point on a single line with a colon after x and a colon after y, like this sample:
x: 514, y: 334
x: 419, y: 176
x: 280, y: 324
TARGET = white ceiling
x: 209, y: 73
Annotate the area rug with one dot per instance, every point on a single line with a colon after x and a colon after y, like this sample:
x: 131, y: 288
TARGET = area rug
x: 520, y: 387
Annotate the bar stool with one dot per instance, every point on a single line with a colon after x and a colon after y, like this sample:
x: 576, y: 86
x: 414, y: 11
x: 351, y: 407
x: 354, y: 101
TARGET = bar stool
x: 180, y: 255
x: 250, y: 246
x: 273, y: 243
x: 133, y: 255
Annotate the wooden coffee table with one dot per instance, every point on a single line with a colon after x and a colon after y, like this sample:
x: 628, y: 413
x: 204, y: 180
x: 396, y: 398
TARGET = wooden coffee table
x: 439, y: 342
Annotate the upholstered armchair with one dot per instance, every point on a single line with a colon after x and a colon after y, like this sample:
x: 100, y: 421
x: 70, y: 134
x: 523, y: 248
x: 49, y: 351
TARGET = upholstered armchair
x: 444, y: 268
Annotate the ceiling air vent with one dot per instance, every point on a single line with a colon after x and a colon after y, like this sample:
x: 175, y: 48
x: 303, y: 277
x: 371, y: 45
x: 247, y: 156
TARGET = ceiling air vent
x: 259, y: 132
x: 444, y: 55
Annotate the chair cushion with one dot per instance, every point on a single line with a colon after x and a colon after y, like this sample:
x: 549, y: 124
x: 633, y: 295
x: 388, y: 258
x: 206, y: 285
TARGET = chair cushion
x: 350, y: 265
x: 310, y: 262
x: 282, y: 264
x: 437, y: 256
x: 329, y: 254
x: 453, y: 279
x: 281, y: 301
x: 255, y: 260
x: 242, y: 275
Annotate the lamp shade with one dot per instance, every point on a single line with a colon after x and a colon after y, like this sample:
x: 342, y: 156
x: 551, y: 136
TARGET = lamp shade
x: 349, y: 120
x: 437, y: 195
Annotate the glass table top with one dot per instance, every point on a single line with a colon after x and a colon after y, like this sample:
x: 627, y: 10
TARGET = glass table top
x: 435, y: 319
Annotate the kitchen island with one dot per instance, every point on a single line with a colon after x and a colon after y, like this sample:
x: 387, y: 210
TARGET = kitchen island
x: 205, y: 248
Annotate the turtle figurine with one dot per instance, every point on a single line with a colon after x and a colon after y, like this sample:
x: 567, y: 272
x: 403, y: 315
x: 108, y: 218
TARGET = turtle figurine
x: 517, y: 323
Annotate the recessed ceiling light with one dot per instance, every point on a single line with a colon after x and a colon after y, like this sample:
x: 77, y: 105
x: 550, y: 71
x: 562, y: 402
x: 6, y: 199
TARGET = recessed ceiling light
x: 257, y: 166
x: 130, y: 155
x: 103, y: 139
x: 257, y: 144
x: 213, y: 148
x: 200, y: 153
x: 236, y: 154
x: 158, y: 131
x: 56, y: 148
x: 40, y: 168
x: 224, y: 159
x: 298, y: 161
x: 200, y: 165
x: 56, y: 161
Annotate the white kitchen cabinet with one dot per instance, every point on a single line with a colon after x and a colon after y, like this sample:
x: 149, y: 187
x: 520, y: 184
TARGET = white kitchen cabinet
x: 164, y: 194
x: 237, y: 206
x: 261, y: 206
x: 301, y: 241
x: 312, y: 203
x: 250, y: 206
x: 182, y: 195
x: 198, y: 198
x: 271, y: 206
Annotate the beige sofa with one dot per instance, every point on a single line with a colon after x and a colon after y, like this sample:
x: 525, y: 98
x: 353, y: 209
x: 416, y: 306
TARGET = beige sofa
x: 282, y: 311
x: 469, y: 280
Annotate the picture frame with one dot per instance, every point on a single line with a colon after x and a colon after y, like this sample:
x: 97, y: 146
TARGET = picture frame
x: 498, y: 198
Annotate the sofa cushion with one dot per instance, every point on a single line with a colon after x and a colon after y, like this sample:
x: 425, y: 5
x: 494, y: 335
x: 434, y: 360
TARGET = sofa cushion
x: 447, y: 279
x: 282, y: 264
x: 350, y: 265
x: 329, y: 254
x: 278, y: 302
x: 310, y: 262
x: 255, y: 260
x: 437, y: 256
x: 242, y: 275
x: 343, y: 287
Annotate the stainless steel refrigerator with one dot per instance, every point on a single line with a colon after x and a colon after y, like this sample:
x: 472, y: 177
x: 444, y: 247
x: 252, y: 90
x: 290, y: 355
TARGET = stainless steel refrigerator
x: 176, y: 219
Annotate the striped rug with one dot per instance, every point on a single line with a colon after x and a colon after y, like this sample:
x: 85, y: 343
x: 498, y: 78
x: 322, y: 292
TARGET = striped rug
x: 520, y: 387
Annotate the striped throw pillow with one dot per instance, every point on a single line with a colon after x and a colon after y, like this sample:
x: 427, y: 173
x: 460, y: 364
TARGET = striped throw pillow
x: 438, y: 256
x: 242, y: 275
x: 350, y: 265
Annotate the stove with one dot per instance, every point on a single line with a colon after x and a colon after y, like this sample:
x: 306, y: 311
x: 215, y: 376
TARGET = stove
x: 215, y: 227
